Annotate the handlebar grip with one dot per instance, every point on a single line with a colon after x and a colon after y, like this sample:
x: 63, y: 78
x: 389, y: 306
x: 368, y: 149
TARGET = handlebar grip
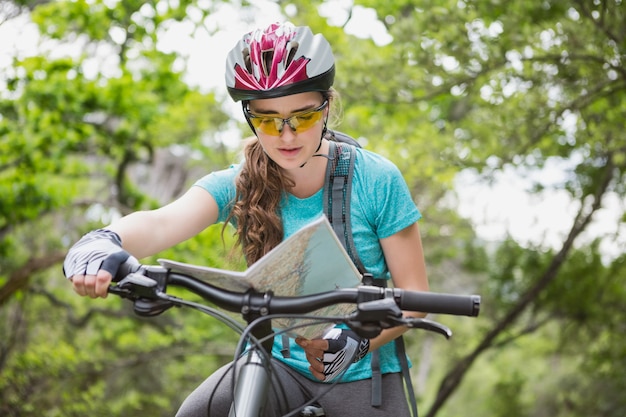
x: 126, y: 268
x: 459, y: 305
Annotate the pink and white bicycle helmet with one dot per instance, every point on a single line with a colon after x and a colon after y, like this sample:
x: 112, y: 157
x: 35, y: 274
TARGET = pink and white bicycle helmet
x: 277, y: 61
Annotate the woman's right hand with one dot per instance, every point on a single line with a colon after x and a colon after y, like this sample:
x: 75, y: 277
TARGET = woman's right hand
x: 93, y: 286
x: 93, y: 261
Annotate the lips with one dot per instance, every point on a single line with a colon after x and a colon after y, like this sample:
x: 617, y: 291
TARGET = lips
x: 289, y: 151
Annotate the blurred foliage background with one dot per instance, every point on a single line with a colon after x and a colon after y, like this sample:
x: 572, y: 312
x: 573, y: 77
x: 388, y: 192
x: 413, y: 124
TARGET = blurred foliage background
x: 99, y: 119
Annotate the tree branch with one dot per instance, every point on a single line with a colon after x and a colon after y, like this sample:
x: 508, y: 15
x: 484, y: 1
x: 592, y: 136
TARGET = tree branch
x: 81, y: 321
x: 600, y: 24
x: 19, y: 279
x: 526, y: 330
x: 453, y: 378
x: 12, y: 336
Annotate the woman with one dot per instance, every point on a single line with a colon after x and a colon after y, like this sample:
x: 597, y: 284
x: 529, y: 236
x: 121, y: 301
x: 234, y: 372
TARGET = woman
x: 283, y: 76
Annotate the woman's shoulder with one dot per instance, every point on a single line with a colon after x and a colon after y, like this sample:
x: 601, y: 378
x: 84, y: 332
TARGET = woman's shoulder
x: 374, y: 164
x: 219, y: 176
x: 381, y: 192
x: 220, y: 184
x: 376, y: 176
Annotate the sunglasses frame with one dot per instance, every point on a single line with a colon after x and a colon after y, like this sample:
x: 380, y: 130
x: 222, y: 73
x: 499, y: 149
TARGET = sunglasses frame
x: 251, y: 116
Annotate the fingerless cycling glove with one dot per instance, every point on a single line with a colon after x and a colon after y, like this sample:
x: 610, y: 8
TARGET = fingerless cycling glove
x: 344, y: 347
x: 99, y: 249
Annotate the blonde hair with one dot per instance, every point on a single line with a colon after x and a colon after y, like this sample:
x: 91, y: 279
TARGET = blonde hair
x: 260, y: 186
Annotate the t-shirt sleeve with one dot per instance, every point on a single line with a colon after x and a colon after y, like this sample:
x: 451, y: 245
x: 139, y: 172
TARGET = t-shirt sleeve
x: 391, y: 205
x: 221, y: 185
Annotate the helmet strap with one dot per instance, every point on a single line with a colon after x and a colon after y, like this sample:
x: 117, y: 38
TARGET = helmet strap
x: 324, y: 130
x: 244, y: 103
x: 322, y: 136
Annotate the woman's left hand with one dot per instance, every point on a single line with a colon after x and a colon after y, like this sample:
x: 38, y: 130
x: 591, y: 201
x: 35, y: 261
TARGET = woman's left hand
x: 314, y: 350
x: 329, y: 357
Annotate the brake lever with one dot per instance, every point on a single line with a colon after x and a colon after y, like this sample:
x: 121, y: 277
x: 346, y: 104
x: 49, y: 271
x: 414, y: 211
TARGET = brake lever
x: 136, y: 286
x: 425, y: 324
x: 145, y: 292
x: 372, y: 317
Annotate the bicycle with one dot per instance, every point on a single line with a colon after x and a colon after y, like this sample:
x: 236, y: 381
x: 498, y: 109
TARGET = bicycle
x: 376, y: 309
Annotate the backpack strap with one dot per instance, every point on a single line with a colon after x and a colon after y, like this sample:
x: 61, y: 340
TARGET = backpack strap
x: 334, y: 135
x: 337, y: 193
x: 338, y: 187
x: 404, y: 364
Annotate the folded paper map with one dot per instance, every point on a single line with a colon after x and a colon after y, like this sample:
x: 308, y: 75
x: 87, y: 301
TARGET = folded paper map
x: 310, y: 261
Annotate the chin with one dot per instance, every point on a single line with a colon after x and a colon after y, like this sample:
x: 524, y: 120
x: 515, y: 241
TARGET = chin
x: 290, y: 165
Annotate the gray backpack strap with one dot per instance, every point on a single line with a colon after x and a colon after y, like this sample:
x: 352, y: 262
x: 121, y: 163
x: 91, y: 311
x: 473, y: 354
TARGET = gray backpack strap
x: 336, y: 197
x: 337, y: 208
x: 286, y: 350
x: 377, y: 380
x: 404, y: 364
x: 377, y: 387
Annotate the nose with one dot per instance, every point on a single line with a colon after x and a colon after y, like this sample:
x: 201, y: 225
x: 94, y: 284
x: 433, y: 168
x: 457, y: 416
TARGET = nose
x: 287, y: 134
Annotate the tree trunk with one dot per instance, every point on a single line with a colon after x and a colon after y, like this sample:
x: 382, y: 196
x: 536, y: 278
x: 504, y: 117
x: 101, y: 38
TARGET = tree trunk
x: 453, y: 378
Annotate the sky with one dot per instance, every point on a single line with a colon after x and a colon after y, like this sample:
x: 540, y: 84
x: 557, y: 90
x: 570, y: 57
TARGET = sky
x: 545, y: 219
x: 505, y: 207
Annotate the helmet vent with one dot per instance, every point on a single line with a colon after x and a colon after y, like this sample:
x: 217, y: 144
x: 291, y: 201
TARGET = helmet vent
x: 267, y: 57
x: 246, y: 59
x: 293, y: 48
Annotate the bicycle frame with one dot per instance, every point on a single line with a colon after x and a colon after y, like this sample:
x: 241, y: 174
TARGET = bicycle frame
x: 251, y: 387
x: 377, y: 309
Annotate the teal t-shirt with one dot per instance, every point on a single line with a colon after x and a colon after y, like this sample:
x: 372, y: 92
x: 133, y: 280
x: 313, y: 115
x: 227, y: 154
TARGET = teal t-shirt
x: 381, y: 205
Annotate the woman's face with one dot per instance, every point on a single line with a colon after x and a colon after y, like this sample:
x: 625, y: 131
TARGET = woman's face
x: 288, y: 148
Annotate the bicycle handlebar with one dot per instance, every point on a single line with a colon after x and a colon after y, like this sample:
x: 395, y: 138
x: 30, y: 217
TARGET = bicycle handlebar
x: 377, y: 309
x: 148, y: 281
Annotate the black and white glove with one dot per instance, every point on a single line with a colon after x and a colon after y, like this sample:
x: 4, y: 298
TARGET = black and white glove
x: 100, y: 249
x: 344, y: 347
